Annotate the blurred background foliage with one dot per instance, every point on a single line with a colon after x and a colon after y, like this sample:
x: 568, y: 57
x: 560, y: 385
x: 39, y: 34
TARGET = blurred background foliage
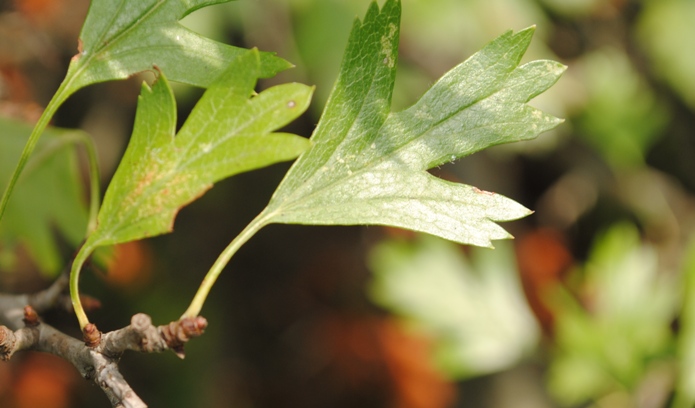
x: 591, y: 306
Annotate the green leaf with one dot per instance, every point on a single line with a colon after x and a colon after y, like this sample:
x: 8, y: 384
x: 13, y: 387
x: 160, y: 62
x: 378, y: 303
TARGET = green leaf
x: 368, y: 166
x: 121, y: 38
x: 31, y: 216
x: 229, y: 132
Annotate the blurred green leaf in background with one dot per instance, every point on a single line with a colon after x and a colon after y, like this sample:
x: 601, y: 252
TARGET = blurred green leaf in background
x: 685, y: 387
x: 471, y: 306
x: 623, y: 117
x: 50, y: 202
x: 667, y: 34
x: 618, y: 333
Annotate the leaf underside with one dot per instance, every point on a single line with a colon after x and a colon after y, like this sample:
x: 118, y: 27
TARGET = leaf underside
x: 369, y: 166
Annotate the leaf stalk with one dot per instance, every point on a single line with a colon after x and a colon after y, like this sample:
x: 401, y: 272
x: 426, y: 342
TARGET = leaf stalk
x: 77, y: 264
x: 201, y: 295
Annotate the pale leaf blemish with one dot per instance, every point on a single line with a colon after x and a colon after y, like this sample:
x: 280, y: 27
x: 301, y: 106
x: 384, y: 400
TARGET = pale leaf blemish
x: 291, y: 104
x: 206, y: 147
x: 387, y: 46
x: 555, y: 69
x: 423, y: 113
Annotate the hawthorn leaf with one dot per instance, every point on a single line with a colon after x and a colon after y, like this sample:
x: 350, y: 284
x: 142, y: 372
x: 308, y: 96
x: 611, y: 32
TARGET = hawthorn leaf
x: 369, y: 166
x: 229, y: 131
x: 32, y: 219
x: 122, y: 37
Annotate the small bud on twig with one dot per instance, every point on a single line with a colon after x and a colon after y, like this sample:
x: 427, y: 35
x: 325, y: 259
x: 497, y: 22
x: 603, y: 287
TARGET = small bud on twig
x: 31, y: 319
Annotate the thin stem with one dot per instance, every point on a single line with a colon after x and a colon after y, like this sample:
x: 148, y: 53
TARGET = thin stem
x: 254, y: 226
x: 77, y: 263
x: 58, y: 98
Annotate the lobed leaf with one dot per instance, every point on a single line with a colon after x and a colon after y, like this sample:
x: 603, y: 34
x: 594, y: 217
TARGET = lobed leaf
x: 369, y: 166
x: 230, y: 131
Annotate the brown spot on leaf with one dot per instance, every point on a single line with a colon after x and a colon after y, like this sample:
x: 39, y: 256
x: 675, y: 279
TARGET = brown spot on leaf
x: 80, y: 51
x: 479, y: 191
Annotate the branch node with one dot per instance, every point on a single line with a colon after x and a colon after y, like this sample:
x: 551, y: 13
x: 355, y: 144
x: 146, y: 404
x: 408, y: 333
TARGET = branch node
x: 141, y: 322
x: 92, y: 335
x: 176, y: 334
x: 194, y: 327
x: 31, y: 319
